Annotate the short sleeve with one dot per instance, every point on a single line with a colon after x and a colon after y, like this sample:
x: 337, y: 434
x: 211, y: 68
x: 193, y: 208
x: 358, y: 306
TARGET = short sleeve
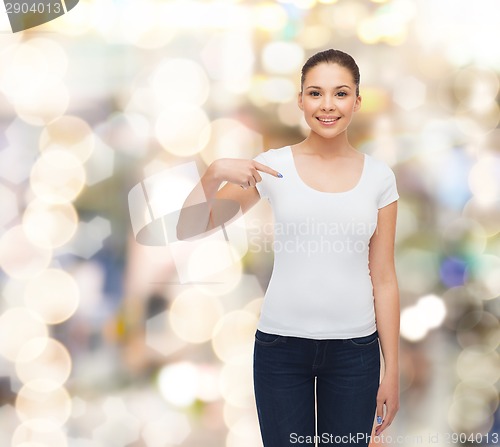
x: 388, y: 189
x: 262, y: 186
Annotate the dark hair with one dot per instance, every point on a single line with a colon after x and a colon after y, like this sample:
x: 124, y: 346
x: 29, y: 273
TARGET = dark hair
x: 334, y: 57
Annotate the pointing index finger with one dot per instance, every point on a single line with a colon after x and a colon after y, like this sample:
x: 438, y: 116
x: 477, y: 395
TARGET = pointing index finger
x: 264, y: 168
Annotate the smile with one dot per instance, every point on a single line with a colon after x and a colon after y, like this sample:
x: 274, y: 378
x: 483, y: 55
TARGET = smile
x: 328, y: 121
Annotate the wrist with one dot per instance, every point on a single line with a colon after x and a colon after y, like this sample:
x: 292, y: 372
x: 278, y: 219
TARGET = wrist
x: 391, y: 371
x: 212, y: 175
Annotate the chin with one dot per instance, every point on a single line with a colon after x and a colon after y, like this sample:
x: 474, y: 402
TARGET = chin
x: 328, y: 135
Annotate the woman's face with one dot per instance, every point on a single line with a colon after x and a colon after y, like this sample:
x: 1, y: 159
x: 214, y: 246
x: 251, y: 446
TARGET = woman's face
x: 328, y: 99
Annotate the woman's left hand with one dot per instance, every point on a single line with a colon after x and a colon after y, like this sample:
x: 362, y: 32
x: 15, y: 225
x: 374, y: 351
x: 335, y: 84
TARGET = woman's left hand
x: 388, y: 394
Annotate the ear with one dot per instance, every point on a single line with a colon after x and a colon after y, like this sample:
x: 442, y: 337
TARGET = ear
x: 299, y: 101
x: 357, y: 104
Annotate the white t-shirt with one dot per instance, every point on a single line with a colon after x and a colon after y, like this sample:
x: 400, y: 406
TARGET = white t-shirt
x: 320, y: 285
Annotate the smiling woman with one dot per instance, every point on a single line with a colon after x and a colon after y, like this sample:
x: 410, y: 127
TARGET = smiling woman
x: 331, y: 296
x: 323, y: 318
x: 329, y: 96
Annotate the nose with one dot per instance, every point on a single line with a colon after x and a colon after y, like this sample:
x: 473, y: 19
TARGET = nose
x: 327, y: 103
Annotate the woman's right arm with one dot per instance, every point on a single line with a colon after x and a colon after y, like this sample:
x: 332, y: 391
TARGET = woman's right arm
x: 199, y: 214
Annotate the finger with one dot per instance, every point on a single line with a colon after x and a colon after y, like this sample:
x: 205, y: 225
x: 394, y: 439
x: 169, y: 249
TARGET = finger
x: 389, y: 417
x: 381, y: 428
x: 252, y: 181
x: 380, y: 412
x: 380, y: 417
x: 264, y: 168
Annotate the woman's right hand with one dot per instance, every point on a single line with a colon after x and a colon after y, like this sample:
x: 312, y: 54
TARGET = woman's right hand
x: 241, y: 171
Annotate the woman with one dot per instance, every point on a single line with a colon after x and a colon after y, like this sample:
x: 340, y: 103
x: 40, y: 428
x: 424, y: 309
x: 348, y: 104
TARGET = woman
x: 333, y: 295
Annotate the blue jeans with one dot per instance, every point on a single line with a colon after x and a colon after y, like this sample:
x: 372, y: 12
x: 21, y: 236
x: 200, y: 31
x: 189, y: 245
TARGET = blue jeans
x: 347, y: 375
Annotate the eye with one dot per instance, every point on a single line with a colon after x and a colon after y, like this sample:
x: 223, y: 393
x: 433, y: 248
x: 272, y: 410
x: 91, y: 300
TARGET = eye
x: 342, y: 94
x: 313, y: 93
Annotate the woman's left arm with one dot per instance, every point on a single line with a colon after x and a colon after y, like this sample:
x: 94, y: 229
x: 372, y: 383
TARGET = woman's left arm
x: 387, y: 310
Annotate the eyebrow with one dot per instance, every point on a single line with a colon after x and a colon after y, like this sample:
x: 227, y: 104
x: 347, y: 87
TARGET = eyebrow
x: 319, y: 88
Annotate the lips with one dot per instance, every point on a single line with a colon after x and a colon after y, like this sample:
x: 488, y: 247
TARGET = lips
x: 328, y: 120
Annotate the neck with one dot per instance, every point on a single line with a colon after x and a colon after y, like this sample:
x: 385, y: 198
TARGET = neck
x: 327, y: 147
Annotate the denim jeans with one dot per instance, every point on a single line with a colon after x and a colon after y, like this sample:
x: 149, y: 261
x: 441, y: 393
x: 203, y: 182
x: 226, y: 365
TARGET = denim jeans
x: 315, y: 392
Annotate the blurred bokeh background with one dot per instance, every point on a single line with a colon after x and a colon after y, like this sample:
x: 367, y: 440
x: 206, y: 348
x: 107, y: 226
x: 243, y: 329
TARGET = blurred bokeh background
x: 102, y: 344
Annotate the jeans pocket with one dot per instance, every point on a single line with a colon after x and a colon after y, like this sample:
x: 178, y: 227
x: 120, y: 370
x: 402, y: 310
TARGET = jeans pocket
x: 265, y: 339
x: 366, y: 340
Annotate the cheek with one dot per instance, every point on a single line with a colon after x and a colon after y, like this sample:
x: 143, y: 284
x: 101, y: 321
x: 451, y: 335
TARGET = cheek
x: 308, y: 105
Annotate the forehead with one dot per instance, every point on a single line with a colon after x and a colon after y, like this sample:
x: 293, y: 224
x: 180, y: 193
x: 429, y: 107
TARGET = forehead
x: 328, y: 74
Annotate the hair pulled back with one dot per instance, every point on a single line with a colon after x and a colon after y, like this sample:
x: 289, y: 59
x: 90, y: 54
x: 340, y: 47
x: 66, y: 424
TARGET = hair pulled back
x: 333, y: 57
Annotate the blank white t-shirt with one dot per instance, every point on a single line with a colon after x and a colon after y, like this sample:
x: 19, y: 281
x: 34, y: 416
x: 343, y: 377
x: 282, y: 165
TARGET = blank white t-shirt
x: 320, y: 285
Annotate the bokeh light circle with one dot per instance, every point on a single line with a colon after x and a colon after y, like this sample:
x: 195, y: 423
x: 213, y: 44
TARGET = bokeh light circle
x: 233, y: 337
x: 9, y: 203
x: 49, y: 225
x: 178, y: 383
x: 183, y: 129
x: 230, y: 138
x: 53, y: 294
x: 55, y: 55
x: 486, y: 213
x: 460, y: 300
x: 282, y: 57
x: 269, y: 16
x: 44, y: 358
x: 232, y: 413
x: 463, y: 237
x: 483, y: 179
x: 434, y: 308
x: 476, y: 88
x: 89, y: 16
x: 244, y: 432
x: 478, y: 327
x: 43, y: 106
x: 20, y: 62
x: 235, y: 384
x: 43, y: 399
x: 314, y: 36
x: 265, y: 90
x: 20, y: 258
x: 57, y: 176
x: 478, y: 363
x: 18, y: 326
x: 477, y: 124
x: 193, y: 315
x: 39, y: 433
x: 470, y: 411
x: 144, y: 26
x: 483, y: 391
x: 180, y: 81
x: 485, y: 271
x: 69, y: 133
x: 413, y: 324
